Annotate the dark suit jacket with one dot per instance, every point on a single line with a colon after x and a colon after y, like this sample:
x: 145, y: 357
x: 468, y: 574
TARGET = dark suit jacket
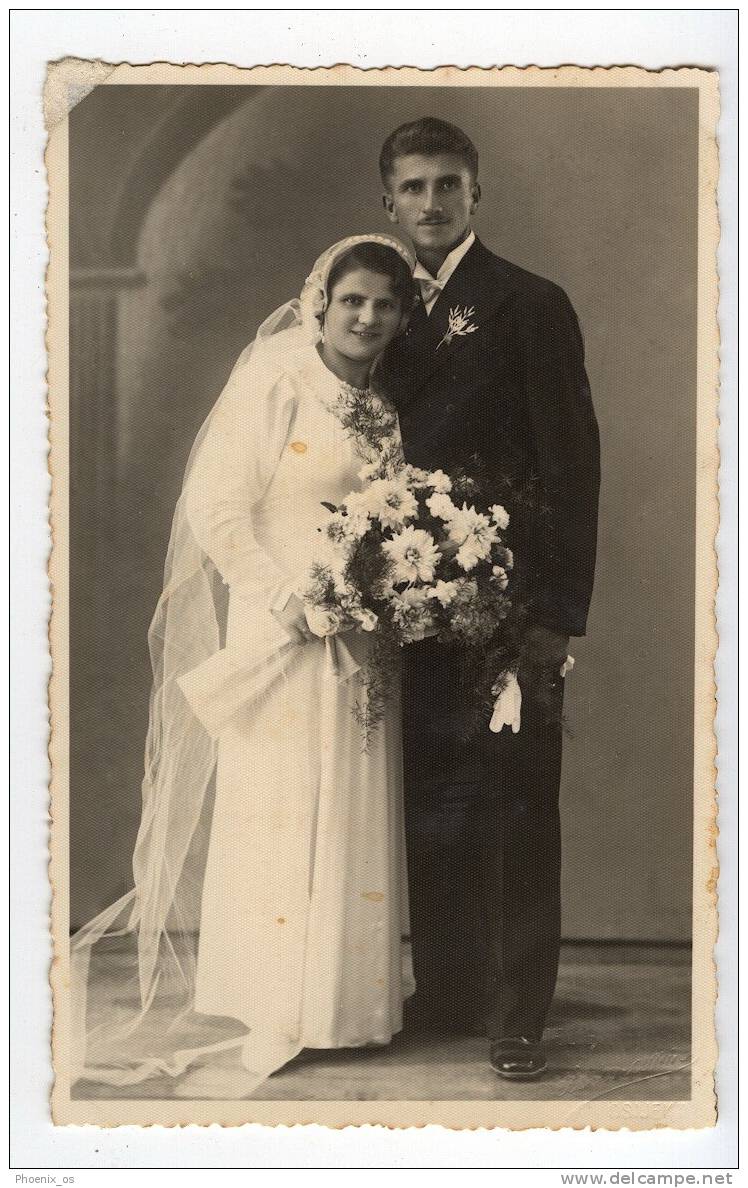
x: 512, y: 401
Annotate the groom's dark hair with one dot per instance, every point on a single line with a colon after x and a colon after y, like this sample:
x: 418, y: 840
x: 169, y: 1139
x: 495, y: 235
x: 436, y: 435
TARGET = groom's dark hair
x: 427, y: 137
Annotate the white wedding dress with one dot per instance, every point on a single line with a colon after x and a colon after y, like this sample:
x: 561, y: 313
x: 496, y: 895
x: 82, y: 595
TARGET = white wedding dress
x: 290, y: 935
x: 304, y: 901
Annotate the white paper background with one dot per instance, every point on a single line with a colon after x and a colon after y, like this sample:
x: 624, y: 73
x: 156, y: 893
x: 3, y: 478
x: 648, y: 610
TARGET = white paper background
x: 316, y: 37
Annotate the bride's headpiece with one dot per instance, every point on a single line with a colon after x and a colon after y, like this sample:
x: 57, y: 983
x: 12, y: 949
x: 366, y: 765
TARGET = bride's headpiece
x: 314, y: 295
x: 304, y: 313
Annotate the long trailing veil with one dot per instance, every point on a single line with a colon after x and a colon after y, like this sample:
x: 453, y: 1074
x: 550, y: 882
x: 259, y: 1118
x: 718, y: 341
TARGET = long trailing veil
x: 133, y: 967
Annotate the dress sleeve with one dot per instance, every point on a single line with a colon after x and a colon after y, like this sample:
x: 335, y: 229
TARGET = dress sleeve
x: 231, y: 472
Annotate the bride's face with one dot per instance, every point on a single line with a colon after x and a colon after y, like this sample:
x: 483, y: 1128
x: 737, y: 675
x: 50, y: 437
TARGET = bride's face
x: 363, y: 315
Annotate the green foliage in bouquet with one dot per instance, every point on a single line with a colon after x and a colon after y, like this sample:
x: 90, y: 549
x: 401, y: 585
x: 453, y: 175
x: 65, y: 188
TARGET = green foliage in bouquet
x: 417, y: 554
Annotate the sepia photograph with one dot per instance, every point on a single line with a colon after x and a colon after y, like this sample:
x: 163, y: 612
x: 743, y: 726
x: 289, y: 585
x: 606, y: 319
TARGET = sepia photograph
x: 383, y: 456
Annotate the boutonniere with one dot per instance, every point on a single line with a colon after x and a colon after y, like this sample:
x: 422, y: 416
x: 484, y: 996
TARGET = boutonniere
x: 459, y: 324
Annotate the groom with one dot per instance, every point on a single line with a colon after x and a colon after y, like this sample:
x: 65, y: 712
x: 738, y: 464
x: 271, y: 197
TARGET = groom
x: 508, y: 398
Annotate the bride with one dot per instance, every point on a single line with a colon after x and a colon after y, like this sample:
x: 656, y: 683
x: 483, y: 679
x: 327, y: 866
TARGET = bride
x: 270, y: 895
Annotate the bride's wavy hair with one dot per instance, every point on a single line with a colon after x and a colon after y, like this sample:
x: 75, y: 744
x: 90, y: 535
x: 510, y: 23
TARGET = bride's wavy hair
x: 385, y: 261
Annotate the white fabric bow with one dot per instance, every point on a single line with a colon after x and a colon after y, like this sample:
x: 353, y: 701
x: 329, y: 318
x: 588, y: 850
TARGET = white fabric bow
x: 339, y: 657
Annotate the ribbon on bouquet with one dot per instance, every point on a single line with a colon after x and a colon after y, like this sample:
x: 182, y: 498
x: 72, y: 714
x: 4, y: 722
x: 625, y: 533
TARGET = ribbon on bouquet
x: 507, y: 708
x: 228, y: 681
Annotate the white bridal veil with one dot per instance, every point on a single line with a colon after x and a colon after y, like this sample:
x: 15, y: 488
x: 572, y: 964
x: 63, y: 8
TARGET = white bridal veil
x: 133, y: 967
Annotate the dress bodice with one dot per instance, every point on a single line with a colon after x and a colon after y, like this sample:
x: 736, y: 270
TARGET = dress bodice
x: 275, y: 451
x: 318, y: 463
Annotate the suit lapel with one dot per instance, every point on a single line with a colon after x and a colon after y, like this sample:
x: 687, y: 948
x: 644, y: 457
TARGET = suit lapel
x: 471, y: 294
x: 408, y: 356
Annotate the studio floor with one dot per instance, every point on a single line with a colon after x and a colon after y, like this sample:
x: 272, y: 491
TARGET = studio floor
x: 619, y: 1030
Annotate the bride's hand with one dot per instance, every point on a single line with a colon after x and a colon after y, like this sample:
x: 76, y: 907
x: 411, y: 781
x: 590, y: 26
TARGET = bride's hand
x: 293, y: 620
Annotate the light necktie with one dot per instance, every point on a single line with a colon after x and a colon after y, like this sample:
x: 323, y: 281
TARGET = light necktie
x: 429, y: 289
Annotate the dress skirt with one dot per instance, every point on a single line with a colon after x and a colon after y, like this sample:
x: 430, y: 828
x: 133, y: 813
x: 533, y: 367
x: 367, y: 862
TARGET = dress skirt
x: 305, y: 896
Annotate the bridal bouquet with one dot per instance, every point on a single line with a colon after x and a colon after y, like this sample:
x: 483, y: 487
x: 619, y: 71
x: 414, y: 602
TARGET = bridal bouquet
x: 413, y: 554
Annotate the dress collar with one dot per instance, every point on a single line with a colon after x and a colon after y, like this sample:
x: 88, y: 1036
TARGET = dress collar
x: 324, y: 381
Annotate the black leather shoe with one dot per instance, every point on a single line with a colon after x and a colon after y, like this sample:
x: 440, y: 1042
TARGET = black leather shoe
x: 517, y: 1059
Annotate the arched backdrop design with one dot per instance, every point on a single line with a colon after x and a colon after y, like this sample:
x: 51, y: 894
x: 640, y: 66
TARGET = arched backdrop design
x: 196, y: 212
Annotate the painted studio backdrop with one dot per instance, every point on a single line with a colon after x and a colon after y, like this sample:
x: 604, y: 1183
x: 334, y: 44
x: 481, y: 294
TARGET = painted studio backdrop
x: 194, y: 212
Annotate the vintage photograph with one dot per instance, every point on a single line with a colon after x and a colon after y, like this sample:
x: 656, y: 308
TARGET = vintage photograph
x: 383, y: 416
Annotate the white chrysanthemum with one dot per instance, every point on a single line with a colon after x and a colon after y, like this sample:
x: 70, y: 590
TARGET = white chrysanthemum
x: 443, y: 592
x: 356, y: 524
x: 417, y: 477
x: 344, y: 530
x: 355, y: 504
x: 441, y: 506
x: 440, y: 482
x: 411, y: 613
x: 414, y: 598
x: 471, y: 551
x: 468, y: 522
x: 500, y: 576
x: 414, y: 555
x: 500, y: 516
x: 389, y: 500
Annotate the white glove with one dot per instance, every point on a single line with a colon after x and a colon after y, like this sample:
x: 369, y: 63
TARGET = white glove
x: 567, y: 665
x: 507, y: 707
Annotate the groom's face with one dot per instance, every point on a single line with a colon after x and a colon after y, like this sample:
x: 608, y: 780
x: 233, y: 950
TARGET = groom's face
x: 432, y: 200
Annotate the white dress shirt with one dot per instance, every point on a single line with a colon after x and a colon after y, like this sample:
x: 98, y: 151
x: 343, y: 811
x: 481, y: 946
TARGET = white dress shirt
x: 433, y: 285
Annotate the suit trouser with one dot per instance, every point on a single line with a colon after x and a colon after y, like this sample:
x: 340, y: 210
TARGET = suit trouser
x: 484, y: 852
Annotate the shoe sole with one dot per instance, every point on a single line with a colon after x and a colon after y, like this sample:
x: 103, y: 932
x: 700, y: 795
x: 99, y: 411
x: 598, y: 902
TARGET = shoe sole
x: 521, y: 1076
